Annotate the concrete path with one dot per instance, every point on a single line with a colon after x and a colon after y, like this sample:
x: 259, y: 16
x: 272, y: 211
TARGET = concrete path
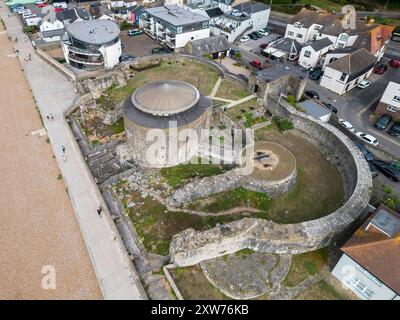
x: 216, y: 87
x: 54, y: 94
x: 240, y: 101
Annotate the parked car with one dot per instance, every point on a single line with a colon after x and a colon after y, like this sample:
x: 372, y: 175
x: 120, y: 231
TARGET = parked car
x: 395, y: 63
x: 160, y: 51
x: 364, y: 84
x: 395, y: 130
x: 388, y: 169
x: 242, y: 76
x: 263, y: 45
x: 312, y: 94
x: 368, y: 155
x: 62, y: 5
x: 56, y: 9
x: 316, y: 74
x: 256, y: 64
x: 367, y: 138
x: 253, y: 36
x: 347, y: 125
x: 262, y: 32
x: 268, y: 29
x: 134, y: 32
x: 41, y: 5
x: 374, y: 170
x: 331, y: 107
x: 126, y: 57
x: 381, y: 69
x: 383, y: 122
x: 244, y: 39
x: 258, y: 34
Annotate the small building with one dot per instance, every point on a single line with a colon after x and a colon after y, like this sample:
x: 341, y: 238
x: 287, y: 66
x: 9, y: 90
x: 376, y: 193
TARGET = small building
x: 51, y: 28
x: 174, y: 26
x: 92, y: 44
x: 347, y: 72
x: 369, y: 265
x: 312, y: 54
x: 315, y: 109
x: 284, y: 49
x: 214, y: 46
x: 123, y: 3
x: 390, y: 101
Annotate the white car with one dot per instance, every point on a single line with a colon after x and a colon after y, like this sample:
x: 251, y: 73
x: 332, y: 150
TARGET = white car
x: 367, y: 138
x: 347, y: 125
x: 244, y: 39
x: 263, y: 32
x: 364, y: 84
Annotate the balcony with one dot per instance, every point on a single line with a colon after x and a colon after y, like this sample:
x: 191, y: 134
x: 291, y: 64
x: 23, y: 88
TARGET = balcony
x: 84, y: 51
x: 86, y: 59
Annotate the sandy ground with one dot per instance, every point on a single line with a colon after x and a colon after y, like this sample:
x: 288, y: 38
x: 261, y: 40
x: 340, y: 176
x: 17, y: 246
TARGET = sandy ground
x: 38, y: 226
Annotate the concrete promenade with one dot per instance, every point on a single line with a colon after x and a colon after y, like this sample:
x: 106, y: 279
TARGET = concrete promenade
x: 54, y: 94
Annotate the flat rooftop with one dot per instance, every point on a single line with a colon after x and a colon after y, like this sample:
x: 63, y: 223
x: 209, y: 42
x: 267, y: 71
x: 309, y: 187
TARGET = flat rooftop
x: 176, y: 15
x: 281, y: 69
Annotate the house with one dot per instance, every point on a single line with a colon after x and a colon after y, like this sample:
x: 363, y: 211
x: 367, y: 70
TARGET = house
x: 51, y: 29
x: 214, y: 46
x: 312, y: 54
x: 174, y: 26
x: 214, y: 13
x: 34, y: 21
x: 92, y: 44
x: 285, y: 49
x: 390, y: 101
x: 123, y: 4
x: 335, y: 55
x: 369, y: 265
x: 68, y: 16
x: 241, y: 19
x: 100, y: 12
x: 315, y: 109
x: 344, y: 74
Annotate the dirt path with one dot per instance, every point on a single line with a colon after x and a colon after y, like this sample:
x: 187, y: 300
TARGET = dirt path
x: 38, y: 226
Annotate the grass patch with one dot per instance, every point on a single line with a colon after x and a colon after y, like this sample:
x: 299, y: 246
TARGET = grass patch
x: 118, y: 127
x: 304, y: 265
x: 321, y: 291
x: 239, y: 112
x: 230, y: 90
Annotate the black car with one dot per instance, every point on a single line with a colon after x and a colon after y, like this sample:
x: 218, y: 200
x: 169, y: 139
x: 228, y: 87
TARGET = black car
x: 259, y: 35
x: 395, y: 130
x: 387, y: 169
x: 253, y: 36
x: 126, y: 57
x: 383, y: 122
x: 330, y: 107
x: 316, y: 74
x: 160, y: 51
x: 368, y: 155
x: 312, y: 94
x: 374, y: 170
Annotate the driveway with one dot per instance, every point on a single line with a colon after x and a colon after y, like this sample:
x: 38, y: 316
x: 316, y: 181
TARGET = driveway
x: 138, y: 46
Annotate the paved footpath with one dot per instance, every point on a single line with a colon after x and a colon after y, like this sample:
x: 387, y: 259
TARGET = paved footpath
x: 55, y: 94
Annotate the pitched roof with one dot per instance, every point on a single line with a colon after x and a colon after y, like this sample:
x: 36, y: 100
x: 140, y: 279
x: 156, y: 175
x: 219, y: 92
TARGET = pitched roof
x: 214, y: 12
x: 374, y: 39
x: 251, y: 7
x: 354, y: 62
x: 209, y: 45
x: 321, y: 44
x: 71, y: 15
x: 375, y: 251
x: 288, y: 45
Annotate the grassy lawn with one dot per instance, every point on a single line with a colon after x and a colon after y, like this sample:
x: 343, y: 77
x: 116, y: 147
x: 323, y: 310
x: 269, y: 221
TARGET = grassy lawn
x: 193, y: 284
x: 181, y: 174
x: 390, y: 22
x: 321, y: 291
x: 304, y: 265
x: 230, y: 90
x: 238, y: 112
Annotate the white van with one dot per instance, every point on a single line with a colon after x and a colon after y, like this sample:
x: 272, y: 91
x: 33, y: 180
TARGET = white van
x: 28, y: 15
x: 62, y: 5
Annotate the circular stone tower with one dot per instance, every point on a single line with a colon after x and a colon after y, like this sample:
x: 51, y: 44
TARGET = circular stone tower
x: 163, y: 122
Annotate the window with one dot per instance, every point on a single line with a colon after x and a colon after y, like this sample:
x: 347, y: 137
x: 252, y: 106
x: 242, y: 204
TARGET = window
x: 360, y: 288
x: 290, y: 33
x: 340, y: 45
x: 370, y: 276
x: 317, y: 27
x: 179, y: 29
x: 343, y: 37
x: 343, y: 77
x: 393, y: 109
x: 299, y: 35
x: 307, y: 53
x: 297, y: 25
x: 205, y: 24
x: 396, y: 98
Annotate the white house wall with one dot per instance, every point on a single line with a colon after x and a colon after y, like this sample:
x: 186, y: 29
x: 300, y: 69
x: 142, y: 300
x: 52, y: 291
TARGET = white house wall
x: 182, y: 39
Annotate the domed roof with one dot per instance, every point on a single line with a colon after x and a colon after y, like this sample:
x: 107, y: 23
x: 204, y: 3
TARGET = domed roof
x: 165, y: 97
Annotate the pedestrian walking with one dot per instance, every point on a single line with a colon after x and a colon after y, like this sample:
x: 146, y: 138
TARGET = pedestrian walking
x: 99, y: 210
x: 51, y: 116
x: 63, y: 148
x: 48, y: 117
x: 30, y: 57
x: 17, y: 51
x: 64, y: 158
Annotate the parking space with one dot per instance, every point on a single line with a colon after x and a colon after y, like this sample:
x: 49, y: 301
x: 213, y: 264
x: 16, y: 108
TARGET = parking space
x: 140, y: 45
x: 254, y: 45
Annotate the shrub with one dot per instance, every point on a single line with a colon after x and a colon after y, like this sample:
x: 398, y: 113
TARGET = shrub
x: 291, y: 99
x: 237, y: 55
x: 249, y: 121
x: 125, y: 25
x: 30, y: 29
x: 282, y: 123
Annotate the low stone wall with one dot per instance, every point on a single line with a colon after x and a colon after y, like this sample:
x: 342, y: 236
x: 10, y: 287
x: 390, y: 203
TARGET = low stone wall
x: 59, y: 66
x: 191, y: 247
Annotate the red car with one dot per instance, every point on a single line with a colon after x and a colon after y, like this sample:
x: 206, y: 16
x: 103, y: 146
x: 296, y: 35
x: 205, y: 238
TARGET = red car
x: 381, y: 69
x: 256, y: 64
x: 395, y: 63
x: 58, y: 9
x: 264, y: 45
x: 41, y: 5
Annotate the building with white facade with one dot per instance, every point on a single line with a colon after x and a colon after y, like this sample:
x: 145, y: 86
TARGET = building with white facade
x: 174, y: 26
x: 92, y: 44
x: 242, y: 19
x: 390, y: 101
x: 369, y: 265
x: 285, y: 49
x: 347, y: 72
x: 51, y: 29
x: 312, y: 55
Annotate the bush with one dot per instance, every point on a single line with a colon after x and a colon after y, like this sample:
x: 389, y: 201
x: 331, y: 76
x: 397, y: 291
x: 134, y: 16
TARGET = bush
x: 282, y: 124
x: 249, y: 121
x: 125, y: 25
x: 30, y: 30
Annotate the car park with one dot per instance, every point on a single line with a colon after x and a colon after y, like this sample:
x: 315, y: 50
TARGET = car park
x: 388, y: 169
x: 316, y: 74
x: 367, y: 138
x: 134, y: 32
x: 364, y: 84
x: 347, y: 125
x: 395, y: 63
x: 330, y: 106
x: 383, y: 122
x: 160, y: 51
x: 381, y: 69
x: 395, y: 130
x: 312, y: 94
x: 368, y: 155
x: 244, y: 39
